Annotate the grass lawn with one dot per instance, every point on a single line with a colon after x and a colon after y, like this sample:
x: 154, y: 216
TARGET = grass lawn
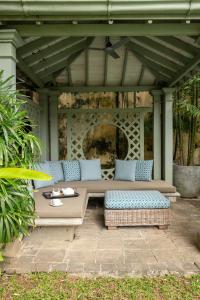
x: 56, y: 286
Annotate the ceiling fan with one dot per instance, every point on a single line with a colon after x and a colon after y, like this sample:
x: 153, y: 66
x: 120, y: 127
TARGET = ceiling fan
x: 110, y: 48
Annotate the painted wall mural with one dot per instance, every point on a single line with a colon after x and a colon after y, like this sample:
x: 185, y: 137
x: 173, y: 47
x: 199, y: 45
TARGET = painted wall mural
x: 105, y: 141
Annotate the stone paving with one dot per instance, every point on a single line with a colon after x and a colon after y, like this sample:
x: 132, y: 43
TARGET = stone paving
x: 126, y: 251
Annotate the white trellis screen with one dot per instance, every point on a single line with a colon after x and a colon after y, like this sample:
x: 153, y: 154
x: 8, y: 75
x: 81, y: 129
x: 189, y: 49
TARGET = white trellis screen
x: 130, y: 121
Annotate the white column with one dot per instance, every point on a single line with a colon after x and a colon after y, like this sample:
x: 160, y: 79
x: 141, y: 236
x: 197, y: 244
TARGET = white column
x: 44, y: 125
x: 168, y: 134
x: 9, y: 41
x: 157, y: 150
x: 54, y: 148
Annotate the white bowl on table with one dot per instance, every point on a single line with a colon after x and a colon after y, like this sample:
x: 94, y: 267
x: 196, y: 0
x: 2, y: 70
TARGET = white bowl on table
x: 68, y: 191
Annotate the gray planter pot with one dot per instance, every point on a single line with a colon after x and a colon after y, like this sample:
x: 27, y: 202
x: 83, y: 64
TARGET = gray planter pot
x: 187, y: 180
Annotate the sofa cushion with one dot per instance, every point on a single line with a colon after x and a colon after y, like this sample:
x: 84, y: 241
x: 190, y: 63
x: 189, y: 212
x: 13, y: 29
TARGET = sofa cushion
x: 45, y: 168
x: 125, y: 169
x: 144, y: 170
x: 100, y: 186
x: 73, y: 207
x: 90, y: 169
x: 56, y: 170
x: 71, y: 170
x: 135, y: 200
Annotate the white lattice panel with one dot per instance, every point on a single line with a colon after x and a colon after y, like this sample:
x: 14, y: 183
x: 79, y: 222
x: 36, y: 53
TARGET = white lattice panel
x: 80, y: 122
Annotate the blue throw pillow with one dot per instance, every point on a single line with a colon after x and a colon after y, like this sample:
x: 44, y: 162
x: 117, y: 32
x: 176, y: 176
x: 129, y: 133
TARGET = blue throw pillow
x: 71, y: 169
x: 144, y: 170
x: 45, y: 168
x: 125, y: 170
x: 90, y: 169
x: 56, y: 170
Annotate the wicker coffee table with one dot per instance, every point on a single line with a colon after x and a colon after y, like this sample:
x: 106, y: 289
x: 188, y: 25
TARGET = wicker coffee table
x: 136, y: 208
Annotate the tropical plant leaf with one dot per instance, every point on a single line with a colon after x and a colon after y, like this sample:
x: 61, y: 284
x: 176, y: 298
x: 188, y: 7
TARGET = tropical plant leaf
x: 21, y: 173
x: 19, y: 150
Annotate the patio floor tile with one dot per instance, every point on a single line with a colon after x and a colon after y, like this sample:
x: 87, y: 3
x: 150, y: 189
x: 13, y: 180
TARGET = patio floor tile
x: 80, y: 256
x: 108, y: 269
x: 92, y: 268
x: 52, y: 255
x: 75, y: 267
x: 110, y: 244
x: 61, y: 267
x: 132, y: 251
x: 136, y: 244
x: 109, y: 256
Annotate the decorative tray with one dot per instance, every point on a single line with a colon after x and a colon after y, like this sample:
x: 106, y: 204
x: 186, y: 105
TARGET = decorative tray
x: 48, y: 195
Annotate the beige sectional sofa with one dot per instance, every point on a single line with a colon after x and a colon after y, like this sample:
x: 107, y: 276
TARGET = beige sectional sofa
x: 73, y: 210
x: 100, y: 186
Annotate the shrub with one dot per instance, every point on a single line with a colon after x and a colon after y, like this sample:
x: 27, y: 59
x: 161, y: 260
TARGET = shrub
x: 18, y: 148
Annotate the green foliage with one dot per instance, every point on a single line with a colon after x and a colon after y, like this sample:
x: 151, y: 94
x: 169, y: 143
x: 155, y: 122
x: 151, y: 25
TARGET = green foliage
x: 18, y: 148
x: 62, y: 286
x: 17, y: 209
x: 186, y: 118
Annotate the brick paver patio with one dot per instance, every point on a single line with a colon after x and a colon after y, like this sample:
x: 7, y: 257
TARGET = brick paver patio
x: 125, y: 251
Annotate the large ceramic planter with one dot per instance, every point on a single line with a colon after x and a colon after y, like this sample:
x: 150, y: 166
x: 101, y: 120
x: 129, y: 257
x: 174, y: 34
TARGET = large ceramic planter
x: 187, y: 180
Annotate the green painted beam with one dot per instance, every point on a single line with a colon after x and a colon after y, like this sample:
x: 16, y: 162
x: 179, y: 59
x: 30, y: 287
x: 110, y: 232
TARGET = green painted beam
x: 44, y: 125
x: 105, y: 110
x: 60, y: 89
x: 105, y: 69
x: 157, y: 137
x: 30, y: 47
x: 60, y: 67
x: 177, y: 58
x: 124, y: 66
x: 141, y: 75
x: 46, y: 64
x: 154, y: 65
x: 188, y: 68
x: 186, y: 47
x: 69, y: 74
x: 86, y: 66
x: 29, y: 72
x: 152, y: 68
x: 52, y: 30
x: 52, y: 49
x: 53, y: 124
x: 167, y: 114
x: 48, y: 69
x: 161, y: 68
x: 165, y: 62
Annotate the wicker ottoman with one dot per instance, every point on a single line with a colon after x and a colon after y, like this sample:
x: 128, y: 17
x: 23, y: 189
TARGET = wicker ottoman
x: 136, y: 208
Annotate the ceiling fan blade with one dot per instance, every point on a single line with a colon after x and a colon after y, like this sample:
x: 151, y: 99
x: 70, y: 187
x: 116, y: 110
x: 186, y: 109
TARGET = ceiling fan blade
x: 111, y: 52
x: 120, y: 43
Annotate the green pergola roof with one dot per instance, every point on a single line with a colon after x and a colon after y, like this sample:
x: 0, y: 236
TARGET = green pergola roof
x: 144, y: 61
x: 58, y: 36
x: 98, y: 9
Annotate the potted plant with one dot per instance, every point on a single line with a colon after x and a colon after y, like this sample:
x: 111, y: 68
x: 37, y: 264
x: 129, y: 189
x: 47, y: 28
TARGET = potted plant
x: 19, y: 148
x: 187, y: 138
